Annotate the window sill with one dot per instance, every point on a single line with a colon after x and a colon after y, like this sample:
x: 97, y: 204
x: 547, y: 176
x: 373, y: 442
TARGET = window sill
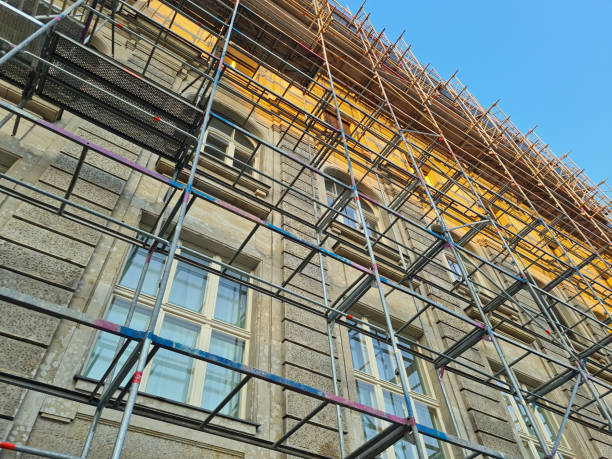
x: 196, y: 414
x: 387, y: 259
x: 502, y: 325
x: 228, y: 175
x: 599, y: 358
x: 35, y: 105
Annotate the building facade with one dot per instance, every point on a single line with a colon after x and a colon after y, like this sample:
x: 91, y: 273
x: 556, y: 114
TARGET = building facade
x: 247, y: 229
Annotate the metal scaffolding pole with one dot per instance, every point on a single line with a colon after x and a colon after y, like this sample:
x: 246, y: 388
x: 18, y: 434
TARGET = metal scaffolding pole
x: 142, y: 359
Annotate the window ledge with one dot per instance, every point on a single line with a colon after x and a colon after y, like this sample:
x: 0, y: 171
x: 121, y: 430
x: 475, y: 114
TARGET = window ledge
x: 35, y: 105
x: 228, y: 175
x: 502, y: 325
x: 85, y: 384
x: 388, y: 260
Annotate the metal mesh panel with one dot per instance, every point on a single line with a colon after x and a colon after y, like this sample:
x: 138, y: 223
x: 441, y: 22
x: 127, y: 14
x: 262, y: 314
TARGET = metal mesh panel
x: 116, y: 104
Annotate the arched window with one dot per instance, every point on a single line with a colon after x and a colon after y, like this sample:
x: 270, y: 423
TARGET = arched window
x: 349, y: 215
x: 229, y: 145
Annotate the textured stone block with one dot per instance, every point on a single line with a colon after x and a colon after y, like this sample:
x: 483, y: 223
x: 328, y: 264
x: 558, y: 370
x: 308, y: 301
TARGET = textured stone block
x: 500, y: 444
x: 308, y: 377
x: 298, y: 406
x: 484, y: 405
x: 306, y: 336
x: 307, y: 358
x: 30, y: 325
x: 10, y: 398
x: 33, y: 287
x: 58, y: 224
x: 89, y: 173
x: 311, y: 269
x: 19, y: 357
x: 314, y: 438
x: 300, y: 316
x: 51, y: 243
x: 82, y: 188
x: 491, y: 425
x: 39, y: 265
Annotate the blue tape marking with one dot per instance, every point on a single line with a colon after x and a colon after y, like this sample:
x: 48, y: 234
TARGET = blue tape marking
x: 240, y: 367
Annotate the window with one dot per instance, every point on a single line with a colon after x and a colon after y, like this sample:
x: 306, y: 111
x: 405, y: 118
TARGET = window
x: 6, y: 161
x: 526, y: 431
x: 378, y: 386
x: 455, y: 269
x: 229, y: 145
x: 349, y: 215
x: 200, y: 310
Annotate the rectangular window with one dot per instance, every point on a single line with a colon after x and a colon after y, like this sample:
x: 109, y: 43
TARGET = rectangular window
x: 6, y: 161
x: 199, y: 310
x: 455, y: 269
x: 378, y: 386
x: 545, y: 421
x: 229, y: 145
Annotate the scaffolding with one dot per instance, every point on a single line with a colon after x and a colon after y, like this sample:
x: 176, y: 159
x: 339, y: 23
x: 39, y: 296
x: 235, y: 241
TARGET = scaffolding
x: 353, y: 84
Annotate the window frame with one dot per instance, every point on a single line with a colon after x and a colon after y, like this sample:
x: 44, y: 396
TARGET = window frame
x: 368, y: 211
x: 529, y: 440
x: 204, y: 319
x: 232, y: 146
x: 7, y: 161
x: 380, y: 385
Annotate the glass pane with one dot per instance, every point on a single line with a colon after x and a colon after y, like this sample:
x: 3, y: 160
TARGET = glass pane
x: 220, y: 126
x: 216, y: 147
x: 133, y: 268
x: 220, y: 381
x: 455, y: 269
x: 170, y: 371
x: 517, y: 425
x: 242, y: 157
x: 231, y: 305
x: 106, y: 343
x: 189, y: 285
x: 243, y: 141
x: 551, y: 431
x: 525, y: 417
x: 359, y: 352
x: 371, y: 425
x: 384, y: 361
x: 413, y: 371
x: 394, y: 404
x: 350, y: 214
x: 426, y: 416
x: 330, y: 187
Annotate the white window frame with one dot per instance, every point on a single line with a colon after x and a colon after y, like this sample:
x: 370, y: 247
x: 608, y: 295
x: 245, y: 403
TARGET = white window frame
x: 454, y: 269
x: 232, y: 146
x: 530, y: 442
x: 204, y: 320
x: 368, y: 211
x: 381, y: 384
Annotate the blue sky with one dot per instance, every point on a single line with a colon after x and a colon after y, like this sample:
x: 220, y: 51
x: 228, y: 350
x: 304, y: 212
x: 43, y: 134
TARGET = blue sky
x: 550, y: 63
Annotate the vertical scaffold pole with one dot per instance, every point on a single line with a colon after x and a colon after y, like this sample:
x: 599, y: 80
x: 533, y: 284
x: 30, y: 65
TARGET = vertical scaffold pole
x: 399, y: 360
x: 464, y: 272
x: 38, y: 32
x: 537, y: 297
x: 330, y: 325
x: 135, y: 384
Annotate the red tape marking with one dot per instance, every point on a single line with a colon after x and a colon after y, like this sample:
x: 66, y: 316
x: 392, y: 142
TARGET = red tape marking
x: 137, y: 377
x: 6, y: 445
